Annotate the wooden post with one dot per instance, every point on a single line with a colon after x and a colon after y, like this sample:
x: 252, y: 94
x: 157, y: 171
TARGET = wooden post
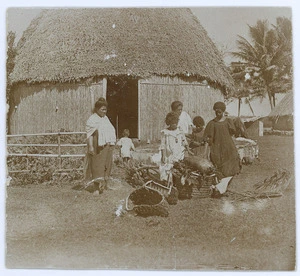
x: 239, y: 107
x: 139, y: 109
x: 92, y: 97
x: 250, y: 107
x: 260, y: 128
x: 117, y: 126
x: 27, y: 161
x: 104, y: 86
x: 59, y: 151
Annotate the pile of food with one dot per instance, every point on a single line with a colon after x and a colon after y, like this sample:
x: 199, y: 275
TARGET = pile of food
x: 247, y: 149
x: 192, y: 177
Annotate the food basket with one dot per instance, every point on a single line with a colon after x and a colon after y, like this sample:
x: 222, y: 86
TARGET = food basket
x: 203, y: 188
x: 147, y: 202
x: 168, y: 191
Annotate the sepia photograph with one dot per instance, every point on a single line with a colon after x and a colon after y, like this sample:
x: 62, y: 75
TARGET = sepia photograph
x: 150, y: 138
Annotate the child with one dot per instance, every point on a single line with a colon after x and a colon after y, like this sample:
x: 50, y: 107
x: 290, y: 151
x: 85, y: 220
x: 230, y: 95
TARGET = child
x: 197, y: 140
x: 173, y: 145
x: 126, y: 146
x: 173, y: 141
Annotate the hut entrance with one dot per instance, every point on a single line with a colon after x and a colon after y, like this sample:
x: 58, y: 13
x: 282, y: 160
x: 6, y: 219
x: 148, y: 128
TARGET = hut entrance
x: 122, y: 99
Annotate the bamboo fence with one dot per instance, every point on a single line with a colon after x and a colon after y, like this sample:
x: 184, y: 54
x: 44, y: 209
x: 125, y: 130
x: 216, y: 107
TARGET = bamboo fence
x: 59, y: 145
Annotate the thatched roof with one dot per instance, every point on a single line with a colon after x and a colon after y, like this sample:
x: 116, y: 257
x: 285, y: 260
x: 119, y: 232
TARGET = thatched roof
x: 285, y: 106
x: 66, y: 45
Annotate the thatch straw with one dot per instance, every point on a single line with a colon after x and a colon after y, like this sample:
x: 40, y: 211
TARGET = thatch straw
x: 285, y: 106
x: 68, y: 45
x: 272, y: 186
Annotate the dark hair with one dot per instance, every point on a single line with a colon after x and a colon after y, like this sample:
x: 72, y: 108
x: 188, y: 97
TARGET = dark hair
x: 198, y: 121
x: 172, y: 118
x: 100, y: 102
x: 219, y: 105
x: 126, y: 132
x: 175, y: 105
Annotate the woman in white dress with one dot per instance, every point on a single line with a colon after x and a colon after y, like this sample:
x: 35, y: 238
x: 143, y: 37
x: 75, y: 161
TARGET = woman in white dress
x: 101, y: 138
x: 185, y: 122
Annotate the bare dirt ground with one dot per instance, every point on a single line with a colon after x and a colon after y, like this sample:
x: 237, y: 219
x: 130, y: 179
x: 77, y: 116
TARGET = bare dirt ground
x: 58, y: 227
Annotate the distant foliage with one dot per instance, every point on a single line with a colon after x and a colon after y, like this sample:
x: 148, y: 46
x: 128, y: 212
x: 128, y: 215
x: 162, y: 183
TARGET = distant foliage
x: 266, y: 64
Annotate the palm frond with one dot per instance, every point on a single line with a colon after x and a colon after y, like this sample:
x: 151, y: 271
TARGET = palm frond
x: 246, y: 51
x: 259, y: 31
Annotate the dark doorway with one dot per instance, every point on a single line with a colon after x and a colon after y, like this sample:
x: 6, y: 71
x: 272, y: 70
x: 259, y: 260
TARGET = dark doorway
x: 122, y: 98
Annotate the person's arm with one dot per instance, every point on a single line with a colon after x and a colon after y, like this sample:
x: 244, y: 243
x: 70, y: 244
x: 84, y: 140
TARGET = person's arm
x: 186, y: 144
x: 92, y: 143
x: 231, y: 127
x: 209, y: 133
x: 132, y: 146
x: 190, y: 122
x: 162, y: 148
x: 119, y: 143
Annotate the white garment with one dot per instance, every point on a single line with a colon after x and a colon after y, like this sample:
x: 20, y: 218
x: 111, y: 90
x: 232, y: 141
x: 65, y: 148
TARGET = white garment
x: 165, y: 171
x: 173, y: 142
x: 106, y: 131
x: 222, y: 186
x: 126, y: 146
x: 185, y: 122
x: 156, y: 158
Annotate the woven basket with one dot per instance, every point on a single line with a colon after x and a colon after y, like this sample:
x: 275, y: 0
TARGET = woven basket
x: 203, y: 189
x: 169, y: 192
x: 147, y: 202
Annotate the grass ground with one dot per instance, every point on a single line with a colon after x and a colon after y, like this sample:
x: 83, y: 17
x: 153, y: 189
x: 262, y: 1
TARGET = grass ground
x: 54, y: 226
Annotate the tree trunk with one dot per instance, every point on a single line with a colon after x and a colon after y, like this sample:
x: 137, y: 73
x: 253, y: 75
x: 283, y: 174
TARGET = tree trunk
x: 274, y: 103
x: 271, y: 99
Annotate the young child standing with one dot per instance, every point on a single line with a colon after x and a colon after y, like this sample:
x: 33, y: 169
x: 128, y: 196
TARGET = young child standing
x: 173, y: 141
x: 197, y: 138
x: 173, y: 145
x: 126, y: 146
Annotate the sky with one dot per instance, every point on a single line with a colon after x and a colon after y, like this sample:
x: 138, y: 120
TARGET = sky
x: 222, y: 24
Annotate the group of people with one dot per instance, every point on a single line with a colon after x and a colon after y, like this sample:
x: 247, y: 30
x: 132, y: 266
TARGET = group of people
x: 217, y: 134
x: 181, y: 134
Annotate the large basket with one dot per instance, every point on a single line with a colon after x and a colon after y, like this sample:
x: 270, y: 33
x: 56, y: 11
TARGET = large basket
x: 169, y: 192
x: 204, y: 187
x: 147, y: 202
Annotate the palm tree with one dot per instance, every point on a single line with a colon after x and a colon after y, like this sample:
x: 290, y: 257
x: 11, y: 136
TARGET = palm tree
x: 267, y: 58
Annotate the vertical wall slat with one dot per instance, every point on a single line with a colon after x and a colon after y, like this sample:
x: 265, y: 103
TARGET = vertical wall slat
x: 36, y: 112
x: 156, y: 95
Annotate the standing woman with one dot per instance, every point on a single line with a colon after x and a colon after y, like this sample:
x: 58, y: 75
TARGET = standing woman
x: 101, y: 137
x: 223, y: 153
x: 185, y: 122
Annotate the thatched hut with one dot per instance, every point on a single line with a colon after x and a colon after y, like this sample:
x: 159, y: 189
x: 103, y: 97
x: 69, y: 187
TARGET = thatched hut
x: 282, y: 114
x: 139, y: 59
